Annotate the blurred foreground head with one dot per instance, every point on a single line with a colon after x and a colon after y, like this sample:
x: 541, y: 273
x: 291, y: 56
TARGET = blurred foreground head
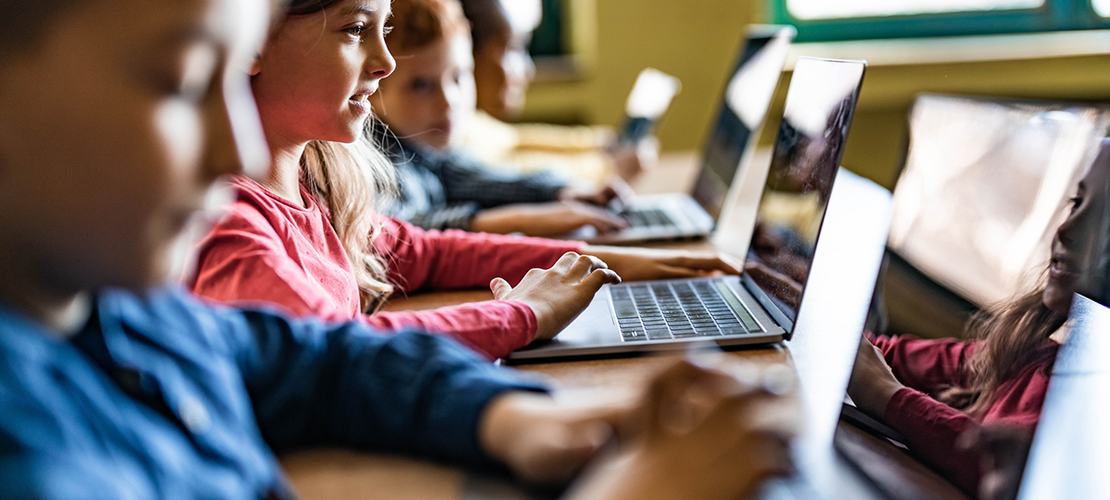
x: 118, y: 116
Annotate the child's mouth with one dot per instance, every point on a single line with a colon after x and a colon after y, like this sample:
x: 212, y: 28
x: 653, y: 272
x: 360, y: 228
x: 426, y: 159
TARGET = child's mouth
x: 360, y: 103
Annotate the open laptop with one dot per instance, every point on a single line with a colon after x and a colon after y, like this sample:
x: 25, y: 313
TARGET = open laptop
x: 1071, y: 446
x: 758, y: 307
x: 730, y: 145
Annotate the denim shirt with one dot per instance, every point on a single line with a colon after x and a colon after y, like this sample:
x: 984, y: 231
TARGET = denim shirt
x: 160, y: 396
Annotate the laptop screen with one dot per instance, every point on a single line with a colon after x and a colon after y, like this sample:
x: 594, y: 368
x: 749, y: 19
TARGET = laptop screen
x: 747, y: 96
x: 807, y: 152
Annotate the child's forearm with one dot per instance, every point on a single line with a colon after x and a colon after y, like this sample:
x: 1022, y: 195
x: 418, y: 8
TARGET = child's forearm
x: 542, y: 440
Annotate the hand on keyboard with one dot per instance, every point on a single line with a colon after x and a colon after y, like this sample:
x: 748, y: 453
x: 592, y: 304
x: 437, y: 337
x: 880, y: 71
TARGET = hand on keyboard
x: 705, y: 432
x: 560, y: 294
x: 638, y: 264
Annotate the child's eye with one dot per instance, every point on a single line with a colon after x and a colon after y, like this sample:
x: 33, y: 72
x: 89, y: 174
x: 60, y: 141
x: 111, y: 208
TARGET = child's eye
x: 420, y: 85
x: 356, y: 31
x: 1074, y: 203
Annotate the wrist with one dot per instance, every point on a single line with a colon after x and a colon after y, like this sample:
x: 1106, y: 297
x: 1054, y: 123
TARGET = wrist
x: 875, y: 399
x: 492, y: 221
x: 501, y: 424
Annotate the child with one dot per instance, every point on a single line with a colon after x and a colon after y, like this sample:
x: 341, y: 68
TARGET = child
x: 115, y: 386
x: 939, y: 392
x: 299, y: 237
x: 501, y: 31
x: 427, y: 103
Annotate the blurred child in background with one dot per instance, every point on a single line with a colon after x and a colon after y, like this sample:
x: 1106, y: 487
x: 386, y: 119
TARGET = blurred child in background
x: 501, y: 31
x: 428, y: 102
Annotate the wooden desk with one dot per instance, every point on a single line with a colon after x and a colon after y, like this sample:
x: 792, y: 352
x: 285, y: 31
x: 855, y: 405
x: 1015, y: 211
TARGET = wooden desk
x: 824, y: 335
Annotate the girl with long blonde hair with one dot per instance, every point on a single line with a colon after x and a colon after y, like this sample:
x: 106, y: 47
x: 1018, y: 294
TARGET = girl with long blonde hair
x: 306, y: 237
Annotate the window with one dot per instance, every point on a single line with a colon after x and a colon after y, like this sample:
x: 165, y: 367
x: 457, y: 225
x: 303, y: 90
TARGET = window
x: 1102, y: 7
x: 824, y: 20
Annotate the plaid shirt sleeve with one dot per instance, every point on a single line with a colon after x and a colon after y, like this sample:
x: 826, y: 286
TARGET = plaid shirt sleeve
x: 455, y: 216
x: 466, y: 180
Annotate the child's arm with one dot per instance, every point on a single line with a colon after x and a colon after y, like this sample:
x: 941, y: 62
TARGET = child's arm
x: 928, y: 365
x: 441, y: 260
x: 541, y: 305
x: 545, y: 219
x: 694, y: 432
x: 932, y: 429
x: 311, y: 383
x: 466, y: 180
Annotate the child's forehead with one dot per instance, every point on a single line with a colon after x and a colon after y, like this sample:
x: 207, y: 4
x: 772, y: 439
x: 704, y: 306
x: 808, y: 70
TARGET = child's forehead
x: 376, y: 8
x: 232, y: 24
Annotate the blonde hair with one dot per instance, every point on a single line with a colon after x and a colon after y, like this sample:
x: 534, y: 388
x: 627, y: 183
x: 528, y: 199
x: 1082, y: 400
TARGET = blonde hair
x: 354, y: 181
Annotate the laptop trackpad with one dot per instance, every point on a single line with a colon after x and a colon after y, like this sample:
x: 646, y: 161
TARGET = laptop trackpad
x: 594, y: 326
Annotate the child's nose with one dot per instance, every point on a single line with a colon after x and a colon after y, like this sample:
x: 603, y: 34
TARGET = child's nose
x: 379, y: 62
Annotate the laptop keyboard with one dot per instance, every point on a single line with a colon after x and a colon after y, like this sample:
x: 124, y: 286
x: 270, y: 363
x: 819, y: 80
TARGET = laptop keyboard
x: 648, y: 217
x: 678, y: 309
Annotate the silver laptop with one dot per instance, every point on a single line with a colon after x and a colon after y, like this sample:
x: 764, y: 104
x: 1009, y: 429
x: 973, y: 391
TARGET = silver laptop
x: 731, y: 142
x: 758, y: 307
x: 1071, y: 446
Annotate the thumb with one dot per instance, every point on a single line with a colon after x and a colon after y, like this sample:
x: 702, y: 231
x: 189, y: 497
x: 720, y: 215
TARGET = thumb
x: 500, y: 288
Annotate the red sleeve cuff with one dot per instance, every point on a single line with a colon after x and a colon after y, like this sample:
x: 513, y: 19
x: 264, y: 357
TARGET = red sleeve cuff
x: 932, y: 430
x: 528, y: 328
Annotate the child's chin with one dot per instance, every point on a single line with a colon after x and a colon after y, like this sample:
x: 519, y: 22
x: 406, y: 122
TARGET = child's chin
x: 437, y: 142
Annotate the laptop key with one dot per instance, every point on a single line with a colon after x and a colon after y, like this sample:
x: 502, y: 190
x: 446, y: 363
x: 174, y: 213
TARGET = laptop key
x: 733, y: 330
x: 707, y: 329
x: 657, y: 333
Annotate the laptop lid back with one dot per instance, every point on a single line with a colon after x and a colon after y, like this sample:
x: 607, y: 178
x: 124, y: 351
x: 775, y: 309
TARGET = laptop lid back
x: 807, y: 152
x: 747, y: 96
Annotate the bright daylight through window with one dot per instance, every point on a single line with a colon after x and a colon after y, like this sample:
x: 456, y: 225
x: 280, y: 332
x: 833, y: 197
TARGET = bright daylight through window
x: 825, y: 9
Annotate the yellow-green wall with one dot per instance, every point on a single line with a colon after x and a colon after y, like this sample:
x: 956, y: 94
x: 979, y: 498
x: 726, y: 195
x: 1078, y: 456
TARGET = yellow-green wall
x: 695, y: 40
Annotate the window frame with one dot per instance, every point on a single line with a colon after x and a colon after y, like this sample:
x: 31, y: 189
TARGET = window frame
x: 1054, y: 15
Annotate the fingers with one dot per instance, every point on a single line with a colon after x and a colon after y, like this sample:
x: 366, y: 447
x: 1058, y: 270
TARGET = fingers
x: 718, y: 262
x: 601, y: 219
x: 591, y: 272
x: 586, y: 269
x: 500, y: 288
x: 599, y: 278
x: 583, y: 265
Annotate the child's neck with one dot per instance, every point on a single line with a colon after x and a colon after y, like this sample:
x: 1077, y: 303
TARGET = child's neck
x: 62, y: 312
x: 284, y: 178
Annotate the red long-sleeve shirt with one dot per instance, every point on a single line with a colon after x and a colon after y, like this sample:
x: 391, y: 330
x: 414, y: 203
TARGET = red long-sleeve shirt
x: 932, y: 428
x: 270, y: 250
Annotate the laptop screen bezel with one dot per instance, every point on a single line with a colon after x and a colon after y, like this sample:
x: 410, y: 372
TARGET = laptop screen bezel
x: 767, y: 33
x: 749, y: 283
